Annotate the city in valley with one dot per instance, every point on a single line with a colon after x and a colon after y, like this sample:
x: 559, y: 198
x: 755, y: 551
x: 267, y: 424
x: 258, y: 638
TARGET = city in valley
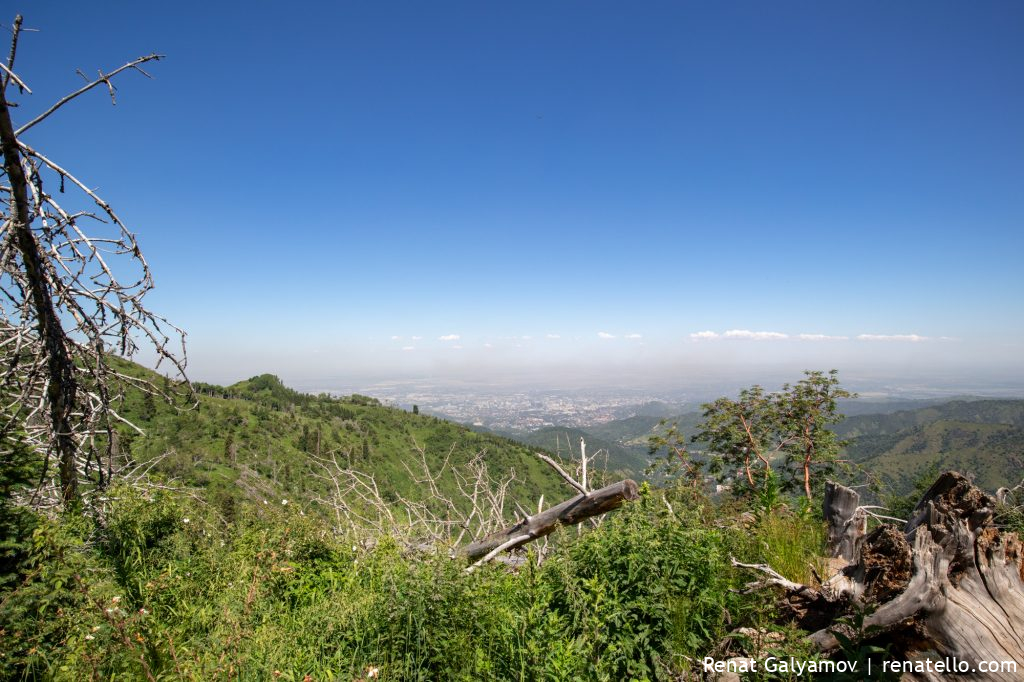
x: 517, y: 411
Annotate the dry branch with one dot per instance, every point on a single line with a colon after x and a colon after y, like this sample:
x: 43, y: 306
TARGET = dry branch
x: 568, y: 513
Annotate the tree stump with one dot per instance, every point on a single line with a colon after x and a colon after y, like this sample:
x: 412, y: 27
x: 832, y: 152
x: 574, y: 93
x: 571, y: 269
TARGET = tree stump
x: 948, y: 586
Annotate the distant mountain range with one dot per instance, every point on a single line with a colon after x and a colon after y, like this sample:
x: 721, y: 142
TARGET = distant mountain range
x: 896, y: 440
x: 983, y: 438
x: 262, y: 435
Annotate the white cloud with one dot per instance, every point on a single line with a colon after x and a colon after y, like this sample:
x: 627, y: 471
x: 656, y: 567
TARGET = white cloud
x: 912, y: 338
x: 408, y: 348
x: 527, y: 338
x: 457, y: 347
x: 821, y: 337
x: 704, y: 336
x: 553, y: 336
x: 605, y: 335
x: 449, y: 337
x: 417, y: 338
x: 488, y: 345
x: 756, y: 336
x: 395, y: 338
x: 634, y: 336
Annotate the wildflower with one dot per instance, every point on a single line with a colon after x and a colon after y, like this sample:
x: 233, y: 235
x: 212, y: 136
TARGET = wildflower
x: 185, y: 520
x: 144, y: 612
x: 372, y: 672
x: 89, y: 637
x: 95, y: 628
x: 115, y: 599
x: 284, y: 503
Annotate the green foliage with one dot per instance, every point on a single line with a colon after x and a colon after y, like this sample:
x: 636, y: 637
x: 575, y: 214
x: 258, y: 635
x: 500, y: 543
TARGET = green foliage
x: 19, y: 469
x: 741, y: 437
x: 989, y: 453
x: 786, y: 542
x: 768, y: 496
x: 676, y: 461
x: 1010, y: 510
x: 856, y: 647
x: 165, y: 588
x: 808, y: 410
x: 761, y: 440
x: 239, y: 577
x: 641, y: 593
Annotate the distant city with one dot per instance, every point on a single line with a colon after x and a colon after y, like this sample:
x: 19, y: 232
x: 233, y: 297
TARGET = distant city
x: 515, y: 412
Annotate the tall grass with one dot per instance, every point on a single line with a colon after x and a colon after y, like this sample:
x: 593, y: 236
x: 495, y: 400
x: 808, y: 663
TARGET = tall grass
x: 166, y: 590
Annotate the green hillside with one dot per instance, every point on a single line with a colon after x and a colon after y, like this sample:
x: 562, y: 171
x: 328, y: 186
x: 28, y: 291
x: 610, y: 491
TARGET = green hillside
x: 200, y: 570
x: 992, y: 453
x: 982, y: 438
x: 565, y: 441
x: 630, y: 429
x: 976, y: 411
x: 258, y: 439
x: 215, y: 577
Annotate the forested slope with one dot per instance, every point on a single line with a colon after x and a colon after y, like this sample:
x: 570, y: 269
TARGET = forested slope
x: 258, y: 439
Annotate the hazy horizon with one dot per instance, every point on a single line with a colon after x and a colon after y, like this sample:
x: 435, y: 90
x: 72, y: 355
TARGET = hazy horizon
x: 668, y: 382
x: 579, y: 193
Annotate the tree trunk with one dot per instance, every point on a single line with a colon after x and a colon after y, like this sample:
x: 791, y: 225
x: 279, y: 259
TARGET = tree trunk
x: 948, y: 586
x: 847, y: 522
x: 61, y: 385
x: 567, y: 513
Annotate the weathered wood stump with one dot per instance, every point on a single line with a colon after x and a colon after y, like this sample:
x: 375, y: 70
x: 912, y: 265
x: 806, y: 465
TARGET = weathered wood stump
x: 947, y: 586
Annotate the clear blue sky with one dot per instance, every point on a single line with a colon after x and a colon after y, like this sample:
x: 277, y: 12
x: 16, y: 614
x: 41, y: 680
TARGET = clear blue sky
x: 310, y: 181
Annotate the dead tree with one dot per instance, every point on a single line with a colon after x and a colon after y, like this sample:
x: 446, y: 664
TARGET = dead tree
x: 948, y: 584
x: 568, y: 513
x: 480, y: 510
x: 68, y: 299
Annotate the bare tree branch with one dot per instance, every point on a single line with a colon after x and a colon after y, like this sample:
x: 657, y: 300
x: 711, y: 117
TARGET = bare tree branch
x: 104, y: 79
x: 68, y: 300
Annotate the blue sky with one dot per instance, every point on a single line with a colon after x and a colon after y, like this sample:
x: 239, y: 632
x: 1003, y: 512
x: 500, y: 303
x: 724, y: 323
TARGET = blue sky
x: 309, y: 182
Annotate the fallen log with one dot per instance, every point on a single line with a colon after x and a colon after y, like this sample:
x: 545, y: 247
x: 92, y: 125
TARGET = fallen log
x: 568, y: 513
x: 949, y: 585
